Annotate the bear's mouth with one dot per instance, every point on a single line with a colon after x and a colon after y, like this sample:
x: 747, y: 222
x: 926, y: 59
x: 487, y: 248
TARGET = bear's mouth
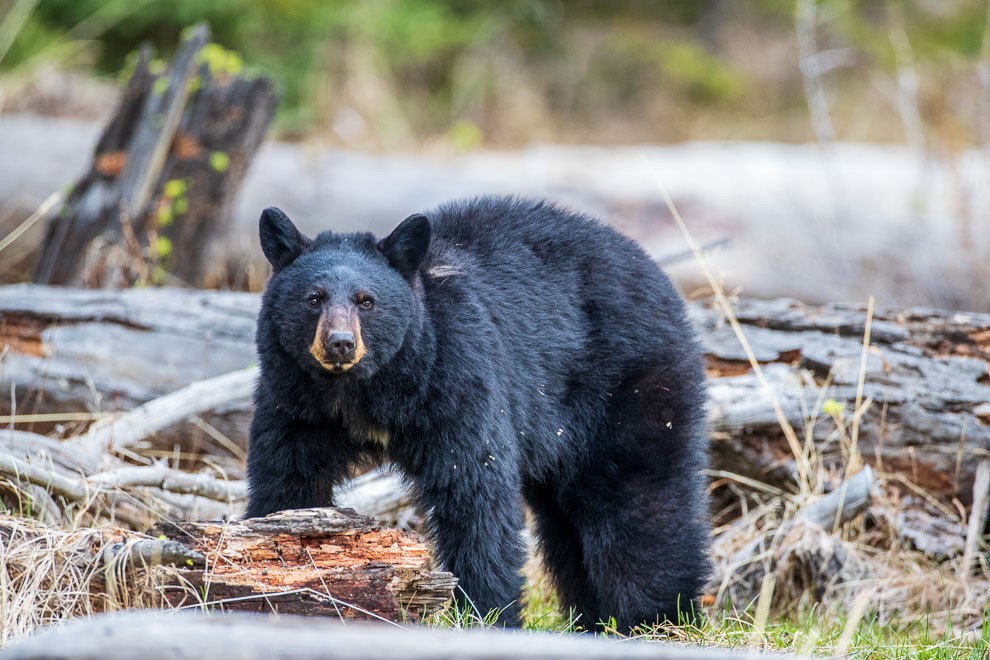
x: 337, y: 367
x: 334, y: 367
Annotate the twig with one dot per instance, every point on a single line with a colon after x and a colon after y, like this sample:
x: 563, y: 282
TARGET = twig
x: 39, y: 213
x: 144, y: 553
x: 977, y: 517
x: 32, y: 473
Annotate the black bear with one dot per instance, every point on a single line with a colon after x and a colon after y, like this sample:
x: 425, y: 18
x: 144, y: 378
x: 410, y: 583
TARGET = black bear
x: 501, y: 352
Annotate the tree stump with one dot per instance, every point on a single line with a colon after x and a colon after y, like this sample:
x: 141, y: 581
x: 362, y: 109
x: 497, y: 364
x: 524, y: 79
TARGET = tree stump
x: 165, y: 172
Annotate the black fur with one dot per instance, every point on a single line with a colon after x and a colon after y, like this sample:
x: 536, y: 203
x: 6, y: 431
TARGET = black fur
x: 516, y: 352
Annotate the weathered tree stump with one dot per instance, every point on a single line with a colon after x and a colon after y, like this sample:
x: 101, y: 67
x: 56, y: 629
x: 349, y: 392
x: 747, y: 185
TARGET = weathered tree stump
x: 164, y: 174
x: 315, y: 562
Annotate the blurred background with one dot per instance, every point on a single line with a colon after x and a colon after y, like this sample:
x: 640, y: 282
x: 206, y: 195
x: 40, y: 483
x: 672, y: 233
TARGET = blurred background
x: 823, y: 149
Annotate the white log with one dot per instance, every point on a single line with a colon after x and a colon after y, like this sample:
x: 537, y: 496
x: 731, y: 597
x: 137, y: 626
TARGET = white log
x: 141, y: 635
x: 174, y: 481
x: 157, y: 414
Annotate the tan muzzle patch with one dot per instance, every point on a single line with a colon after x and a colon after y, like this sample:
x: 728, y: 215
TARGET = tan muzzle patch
x: 337, y: 319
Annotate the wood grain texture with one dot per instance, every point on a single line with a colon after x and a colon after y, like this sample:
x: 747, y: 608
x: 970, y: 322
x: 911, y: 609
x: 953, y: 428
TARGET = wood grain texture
x: 314, y: 562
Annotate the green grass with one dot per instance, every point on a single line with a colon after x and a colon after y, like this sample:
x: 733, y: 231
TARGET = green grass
x: 809, y: 633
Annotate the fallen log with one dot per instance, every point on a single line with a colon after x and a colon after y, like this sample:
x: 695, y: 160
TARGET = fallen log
x: 82, y: 351
x: 924, y: 417
x: 315, y: 562
x: 142, y: 635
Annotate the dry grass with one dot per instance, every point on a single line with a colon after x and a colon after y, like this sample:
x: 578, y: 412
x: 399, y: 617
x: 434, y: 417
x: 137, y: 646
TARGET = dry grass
x: 50, y: 575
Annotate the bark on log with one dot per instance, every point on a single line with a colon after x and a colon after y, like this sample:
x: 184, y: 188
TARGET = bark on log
x: 140, y: 635
x: 164, y: 173
x: 76, y: 350
x: 316, y: 562
x: 927, y: 382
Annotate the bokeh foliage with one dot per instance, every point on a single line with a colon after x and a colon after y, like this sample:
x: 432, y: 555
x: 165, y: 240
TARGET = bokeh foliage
x: 509, y: 71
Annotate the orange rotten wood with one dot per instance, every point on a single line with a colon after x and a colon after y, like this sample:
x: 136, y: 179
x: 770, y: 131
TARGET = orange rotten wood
x: 317, y: 562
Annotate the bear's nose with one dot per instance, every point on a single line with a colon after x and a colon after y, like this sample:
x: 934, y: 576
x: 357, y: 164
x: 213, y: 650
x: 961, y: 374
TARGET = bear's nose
x: 340, y: 346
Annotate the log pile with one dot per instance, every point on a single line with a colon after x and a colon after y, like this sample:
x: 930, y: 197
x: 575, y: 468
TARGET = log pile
x: 923, y: 415
x: 911, y: 409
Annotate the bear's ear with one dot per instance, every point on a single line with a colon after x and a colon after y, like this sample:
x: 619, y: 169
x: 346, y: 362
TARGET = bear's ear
x: 281, y: 242
x: 406, y: 247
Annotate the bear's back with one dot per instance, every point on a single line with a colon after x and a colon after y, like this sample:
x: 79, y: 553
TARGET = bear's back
x: 544, y: 261
x: 554, y: 304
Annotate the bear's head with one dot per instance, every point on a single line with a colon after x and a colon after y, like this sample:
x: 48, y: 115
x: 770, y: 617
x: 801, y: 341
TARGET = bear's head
x: 342, y: 304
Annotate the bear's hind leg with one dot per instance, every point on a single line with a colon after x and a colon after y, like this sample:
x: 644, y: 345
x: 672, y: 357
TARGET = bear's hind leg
x: 560, y: 551
x: 644, y: 546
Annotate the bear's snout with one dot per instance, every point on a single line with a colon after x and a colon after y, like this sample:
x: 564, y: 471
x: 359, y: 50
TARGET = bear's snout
x: 341, y: 346
x: 337, y: 344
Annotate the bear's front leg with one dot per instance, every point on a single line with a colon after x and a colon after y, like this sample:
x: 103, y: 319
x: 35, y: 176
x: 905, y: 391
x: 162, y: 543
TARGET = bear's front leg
x: 475, y: 518
x: 293, y: 464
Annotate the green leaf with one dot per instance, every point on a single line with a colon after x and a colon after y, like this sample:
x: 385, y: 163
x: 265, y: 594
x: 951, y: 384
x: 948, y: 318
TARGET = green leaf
x: 163, y: 247
x: 160, y: 86
x: 175, y: 188
x: 219, y: 161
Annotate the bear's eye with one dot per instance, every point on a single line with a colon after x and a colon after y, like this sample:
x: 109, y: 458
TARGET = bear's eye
x: 367, y: 303
x: 314, y: 301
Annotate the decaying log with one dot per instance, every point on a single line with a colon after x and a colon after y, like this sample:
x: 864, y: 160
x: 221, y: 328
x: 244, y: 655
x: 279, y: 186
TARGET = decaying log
x: 164, y: 173
x: 141, y: 635
x: 316, y: 562
x: 328, y: 562
x: 927, y: 389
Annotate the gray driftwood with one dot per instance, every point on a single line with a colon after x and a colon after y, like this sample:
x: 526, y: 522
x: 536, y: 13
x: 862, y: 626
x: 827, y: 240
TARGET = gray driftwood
x: 926, y: 392
x: 141, y: 635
